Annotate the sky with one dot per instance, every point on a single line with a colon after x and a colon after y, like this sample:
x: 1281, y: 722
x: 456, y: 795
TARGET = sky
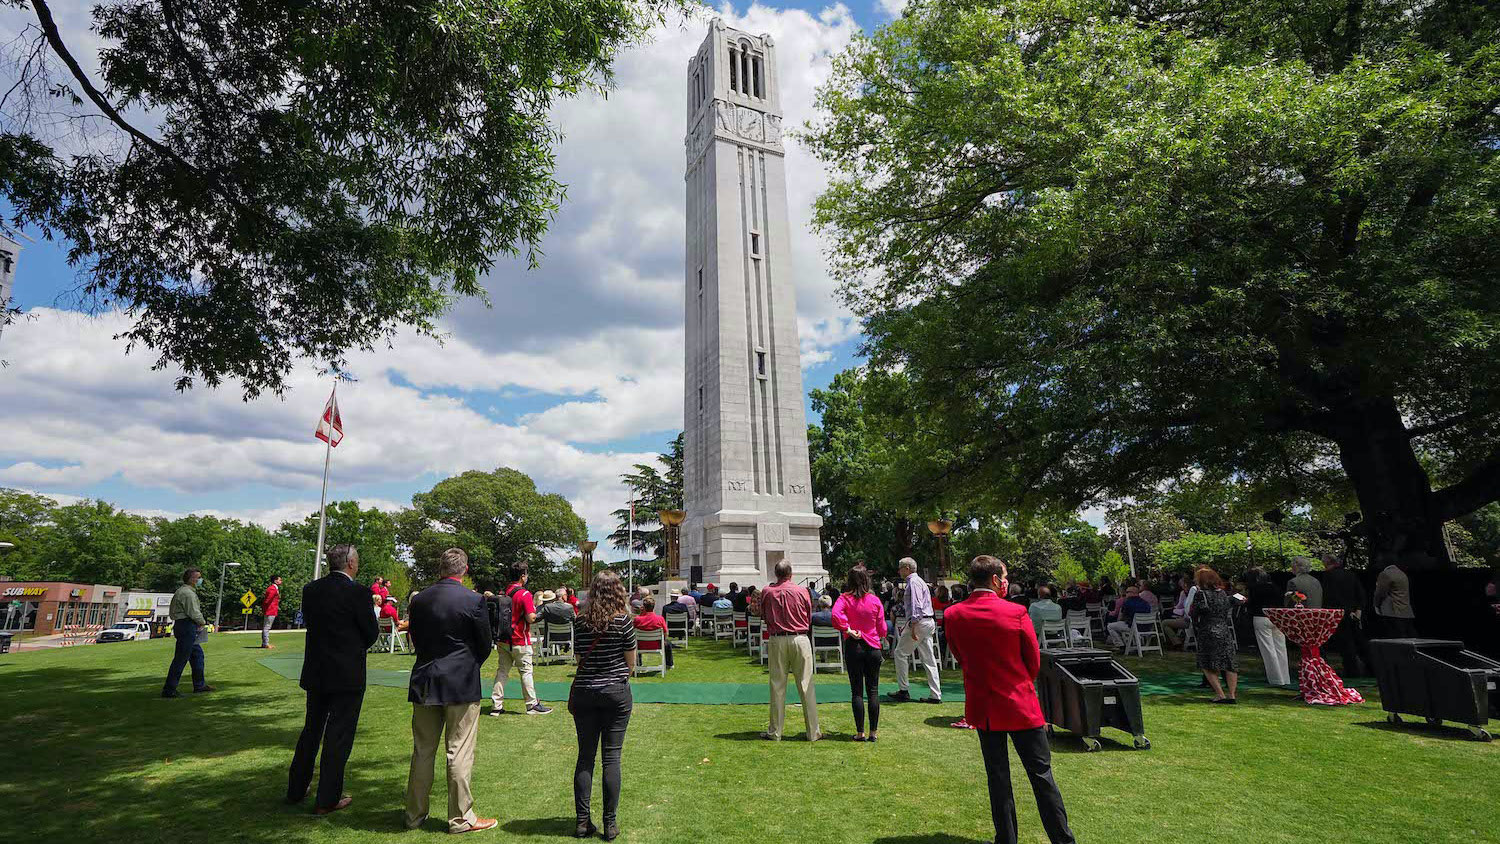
x: 573, y: 374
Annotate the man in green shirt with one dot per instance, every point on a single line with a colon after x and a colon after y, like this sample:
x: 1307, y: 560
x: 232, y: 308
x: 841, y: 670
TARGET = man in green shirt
x: 187, y: 622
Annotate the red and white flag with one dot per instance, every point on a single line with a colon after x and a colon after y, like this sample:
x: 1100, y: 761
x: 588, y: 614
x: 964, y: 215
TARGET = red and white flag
x: 331, y: 426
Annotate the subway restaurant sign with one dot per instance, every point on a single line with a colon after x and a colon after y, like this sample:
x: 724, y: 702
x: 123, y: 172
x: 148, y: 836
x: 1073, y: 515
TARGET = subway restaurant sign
x: 24, y: 592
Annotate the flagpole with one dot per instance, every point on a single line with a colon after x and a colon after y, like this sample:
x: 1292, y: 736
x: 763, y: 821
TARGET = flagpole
x: 323, y: 503
x: 323, y: 508
x: 631, y: 545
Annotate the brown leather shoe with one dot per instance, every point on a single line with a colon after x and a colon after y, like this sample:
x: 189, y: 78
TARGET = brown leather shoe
x: 342, y: 804
x: 480, y: 824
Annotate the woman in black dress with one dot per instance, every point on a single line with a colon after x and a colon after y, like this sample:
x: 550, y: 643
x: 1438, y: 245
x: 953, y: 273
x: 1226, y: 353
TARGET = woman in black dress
x: 1213, y: 622
x: 604, y: 639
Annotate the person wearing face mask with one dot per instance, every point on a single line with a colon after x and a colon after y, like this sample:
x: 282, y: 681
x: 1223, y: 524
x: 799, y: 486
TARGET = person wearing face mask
x: 187, y: 625
x: 996, y: 647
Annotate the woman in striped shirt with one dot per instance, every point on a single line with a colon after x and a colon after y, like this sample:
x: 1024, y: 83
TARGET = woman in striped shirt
x: 604, y: 639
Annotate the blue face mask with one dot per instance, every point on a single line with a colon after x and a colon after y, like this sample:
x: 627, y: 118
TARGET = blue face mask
x: 198, y: 582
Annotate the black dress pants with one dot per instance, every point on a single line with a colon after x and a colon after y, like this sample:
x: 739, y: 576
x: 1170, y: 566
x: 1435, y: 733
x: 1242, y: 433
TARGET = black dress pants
x: 600, y: 717
x: 863, y: 662
x: 331, y: 720
x: 1036, y: 758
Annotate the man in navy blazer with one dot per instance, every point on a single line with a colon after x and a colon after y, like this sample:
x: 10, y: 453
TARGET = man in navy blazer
x: 450, y: 628
x: 340, y: 629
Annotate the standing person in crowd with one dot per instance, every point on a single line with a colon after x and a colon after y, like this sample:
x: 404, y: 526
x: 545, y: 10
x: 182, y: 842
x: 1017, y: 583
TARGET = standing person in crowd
x: 516, y: 649
x: 381, y: 587
x: 600, y: 699
x: 646, y: 620
x: 918, y: 638
x: 1213, y: 621
x: 1343, y: 591
x: 1393, y: 603
x: 787, y: 613
x: 997, y: 648
x: 270, y: 605
x: 188, y: 627
x: 1269, y: 639
x: 860, y: 617
x: 451, y: 631
x: 823, y: 615
x: 1303, y: 581
x: 339, y: 633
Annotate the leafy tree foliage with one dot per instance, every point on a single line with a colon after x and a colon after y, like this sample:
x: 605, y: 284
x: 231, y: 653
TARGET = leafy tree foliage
x: 307, y: 190
x: 496, y: 517
x: 1230, y: 554
x: 653, y: 489
x: 370, y: 530
x: 1106, y: 244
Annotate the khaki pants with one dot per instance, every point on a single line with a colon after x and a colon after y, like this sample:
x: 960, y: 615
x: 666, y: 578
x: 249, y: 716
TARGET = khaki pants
x: 505, y: 657
x: 792, y: 655
x: 458, y: 724
x: 918, y: 639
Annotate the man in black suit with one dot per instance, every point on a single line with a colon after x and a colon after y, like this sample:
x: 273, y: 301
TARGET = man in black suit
x: 340, y: 629
x: 450, y: 627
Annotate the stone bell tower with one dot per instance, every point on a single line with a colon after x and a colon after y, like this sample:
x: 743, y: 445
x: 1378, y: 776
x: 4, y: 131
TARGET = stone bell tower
x: 746, y: 481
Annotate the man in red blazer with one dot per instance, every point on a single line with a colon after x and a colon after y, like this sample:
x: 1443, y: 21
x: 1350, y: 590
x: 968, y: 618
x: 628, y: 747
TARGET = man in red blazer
x: 996, y: 647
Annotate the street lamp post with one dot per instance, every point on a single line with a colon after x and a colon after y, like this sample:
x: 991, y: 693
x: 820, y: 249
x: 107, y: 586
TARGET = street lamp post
x: 588, y: 561
x: 671, y: 520
x: 941, y: 528
x: 219, y: 605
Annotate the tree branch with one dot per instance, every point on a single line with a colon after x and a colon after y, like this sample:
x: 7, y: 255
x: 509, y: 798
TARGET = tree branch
x: 1481, y: 487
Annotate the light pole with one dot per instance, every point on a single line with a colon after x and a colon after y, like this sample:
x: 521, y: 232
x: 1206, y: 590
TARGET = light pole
x: 671, y: 520
x: 219, y: 606
x: 940, y: 529
x: 588, y: 561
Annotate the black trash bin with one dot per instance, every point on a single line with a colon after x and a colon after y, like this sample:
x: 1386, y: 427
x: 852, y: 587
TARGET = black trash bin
x: 1438, y: 680
x: 1083, y: 690
x: 5, y: 643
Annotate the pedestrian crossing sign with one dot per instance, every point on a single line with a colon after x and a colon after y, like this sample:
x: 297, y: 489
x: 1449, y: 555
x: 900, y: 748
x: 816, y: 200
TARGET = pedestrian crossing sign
x: 248, y: 599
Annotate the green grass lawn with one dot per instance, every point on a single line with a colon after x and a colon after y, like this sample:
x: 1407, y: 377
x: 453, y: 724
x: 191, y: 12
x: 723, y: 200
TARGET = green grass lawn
x: 94, y: 754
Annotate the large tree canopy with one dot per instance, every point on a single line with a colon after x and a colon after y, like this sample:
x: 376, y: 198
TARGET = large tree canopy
x: 497, y: 518
x: 653, y: 490
x: 263, y: 181
x: 1111, y: 243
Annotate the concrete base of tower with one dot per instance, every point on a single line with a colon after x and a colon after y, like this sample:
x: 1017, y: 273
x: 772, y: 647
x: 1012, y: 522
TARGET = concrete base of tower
x: 744, y: 547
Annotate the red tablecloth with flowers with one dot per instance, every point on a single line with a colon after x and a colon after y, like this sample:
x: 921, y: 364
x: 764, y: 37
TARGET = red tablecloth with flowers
x: 1309, y: 628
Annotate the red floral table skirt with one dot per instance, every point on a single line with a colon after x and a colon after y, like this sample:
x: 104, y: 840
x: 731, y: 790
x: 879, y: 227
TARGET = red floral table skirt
x: 1309, y: 629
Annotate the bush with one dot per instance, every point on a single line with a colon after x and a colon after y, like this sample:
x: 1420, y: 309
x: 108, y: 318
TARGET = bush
x: 1069, y: 572
x: 1114, y: 567
x: 1230, y: 554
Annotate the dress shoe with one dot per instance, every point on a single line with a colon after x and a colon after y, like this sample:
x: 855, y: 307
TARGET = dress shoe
x: 611, y: 831
x: 204, y: 689
x: 481, y: 824
x: 328, y: 810
x: 585, y: 829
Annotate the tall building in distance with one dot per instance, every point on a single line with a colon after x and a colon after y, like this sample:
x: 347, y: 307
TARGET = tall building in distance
x: 745, y: 467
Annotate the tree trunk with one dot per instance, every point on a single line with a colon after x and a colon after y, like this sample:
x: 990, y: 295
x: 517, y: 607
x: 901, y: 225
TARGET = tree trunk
x: 1401, y: 520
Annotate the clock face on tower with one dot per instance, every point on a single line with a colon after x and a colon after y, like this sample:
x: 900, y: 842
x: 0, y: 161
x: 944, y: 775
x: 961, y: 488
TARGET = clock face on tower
x: 746, y: 481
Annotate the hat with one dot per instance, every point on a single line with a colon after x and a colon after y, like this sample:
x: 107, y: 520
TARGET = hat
x: 676, y: 593
x: 710, y: 586
x: 548, y: 595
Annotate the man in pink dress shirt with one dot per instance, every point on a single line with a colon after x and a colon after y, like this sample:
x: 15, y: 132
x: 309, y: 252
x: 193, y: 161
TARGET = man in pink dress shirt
x: 787, y: 612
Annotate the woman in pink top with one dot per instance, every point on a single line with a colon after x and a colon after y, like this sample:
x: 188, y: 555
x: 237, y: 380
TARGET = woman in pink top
x: 859, y: 615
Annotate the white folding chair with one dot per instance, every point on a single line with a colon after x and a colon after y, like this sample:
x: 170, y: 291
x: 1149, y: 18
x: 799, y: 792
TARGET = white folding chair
x: 1080, y: 629
x: 826, y: 640
x: 560, y: 640
x: 660, y: 652
x: 1095, y: 612
x: 765, y: 646
x: 1189, y: 638
x: 724, y: 625
x: 1054, y: 634
x: 386, y: 641
x: 741, y: 635
x: 755, y: 624
x: 1145, y: 632
x: 677, y: 628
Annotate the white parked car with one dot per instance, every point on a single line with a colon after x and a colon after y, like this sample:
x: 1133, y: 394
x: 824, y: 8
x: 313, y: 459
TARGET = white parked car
x: 126, y: 631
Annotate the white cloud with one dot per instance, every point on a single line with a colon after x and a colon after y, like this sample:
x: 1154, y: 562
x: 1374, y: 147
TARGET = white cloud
x: 892, y: 8
x: 598, y: 327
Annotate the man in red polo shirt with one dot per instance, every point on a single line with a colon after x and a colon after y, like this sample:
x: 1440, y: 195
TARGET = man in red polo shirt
x: 996, y: 647
x: 270, y: 605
